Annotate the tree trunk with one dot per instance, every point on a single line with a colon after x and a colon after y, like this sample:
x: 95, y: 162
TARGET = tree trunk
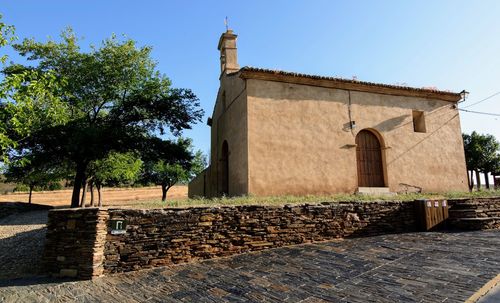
x: 98, y: 186
x: 91, y: 187
x: 469, y: 181
x: 164, y: 192
x: 31, y: 193
x: 77, y: 185
x: 471, y: 176
x: 478, y: 180
x: 84, y: 193
x: 486, y: 180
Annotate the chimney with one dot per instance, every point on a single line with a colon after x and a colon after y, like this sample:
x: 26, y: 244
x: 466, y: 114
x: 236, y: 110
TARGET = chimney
x: 228, y: 53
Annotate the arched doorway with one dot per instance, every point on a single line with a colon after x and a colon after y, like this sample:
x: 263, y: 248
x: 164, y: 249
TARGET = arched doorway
x: 369, y: 160
x: 224, y: 169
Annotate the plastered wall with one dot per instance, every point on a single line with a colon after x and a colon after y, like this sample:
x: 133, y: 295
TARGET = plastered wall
x: 299, y: 141
x: 230, y: 124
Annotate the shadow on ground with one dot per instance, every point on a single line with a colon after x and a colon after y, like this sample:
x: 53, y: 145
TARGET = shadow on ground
x: 20, y: 254
x: 30, y: 281
x: 10, y: 208
x: 22, y: 239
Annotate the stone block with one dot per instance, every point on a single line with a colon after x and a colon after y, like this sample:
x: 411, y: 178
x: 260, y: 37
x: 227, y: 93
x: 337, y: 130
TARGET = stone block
x: 71, y: 224
x: 208, y: 217
x: 179, y: 240
x: 68, y: 272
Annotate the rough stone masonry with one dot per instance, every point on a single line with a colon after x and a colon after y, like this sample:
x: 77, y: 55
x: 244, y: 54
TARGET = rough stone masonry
x: 80, y: 242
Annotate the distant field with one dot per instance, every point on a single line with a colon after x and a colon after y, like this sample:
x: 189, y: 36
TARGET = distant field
x: 111, y: 196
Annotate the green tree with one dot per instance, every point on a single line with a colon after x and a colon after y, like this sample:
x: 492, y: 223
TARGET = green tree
x: 167, y: 169
x: 481, y: 155
x: 471, y: 158
x: 115, y: 169
x: 491, y: 161
x: 167, y: 175
x: 198, y: 164
x: 7, y: 36
x: 110, y: 99
x: 33, y: 173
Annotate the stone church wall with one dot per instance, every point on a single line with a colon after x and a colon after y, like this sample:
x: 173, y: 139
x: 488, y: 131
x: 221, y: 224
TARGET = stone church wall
x: 300, y: 141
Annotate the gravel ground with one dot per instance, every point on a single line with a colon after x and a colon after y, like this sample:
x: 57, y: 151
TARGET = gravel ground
x: 22, y: 238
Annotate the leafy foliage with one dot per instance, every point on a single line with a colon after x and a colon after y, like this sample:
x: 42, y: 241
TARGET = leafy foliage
x: 114, y: 170
x: 481, y: 154
x: 33, y: 173
x: 80, y: 107
x: 7, y: 36
x: 198, y: 164
x: 117, y: 169
x: 161, y: 169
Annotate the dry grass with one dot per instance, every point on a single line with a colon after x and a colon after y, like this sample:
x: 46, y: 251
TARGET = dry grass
x: 149, y: 197
x: 127, y: 197
x: 282, y: 200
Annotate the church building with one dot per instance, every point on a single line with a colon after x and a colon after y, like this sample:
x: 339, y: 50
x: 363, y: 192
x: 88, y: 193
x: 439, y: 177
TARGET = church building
x: 283, y: 133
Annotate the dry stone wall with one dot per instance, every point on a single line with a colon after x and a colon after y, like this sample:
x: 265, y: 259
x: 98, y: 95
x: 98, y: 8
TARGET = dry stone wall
x: 162, y: 237
x: 475, y: 214
x: 75, y: 242
x: 84, y: 243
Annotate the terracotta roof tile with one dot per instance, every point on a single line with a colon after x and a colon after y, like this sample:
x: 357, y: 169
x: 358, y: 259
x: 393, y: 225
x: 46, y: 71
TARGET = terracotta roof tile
x: 342, y: 80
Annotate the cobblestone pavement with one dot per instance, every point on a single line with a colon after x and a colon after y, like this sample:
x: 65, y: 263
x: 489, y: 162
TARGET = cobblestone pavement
x: 22, y: 236
x: 418, y: 267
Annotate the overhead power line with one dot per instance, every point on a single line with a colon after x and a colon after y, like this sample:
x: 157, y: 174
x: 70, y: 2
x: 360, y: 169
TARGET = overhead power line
x: 481, y: 113
x: 489, y: 97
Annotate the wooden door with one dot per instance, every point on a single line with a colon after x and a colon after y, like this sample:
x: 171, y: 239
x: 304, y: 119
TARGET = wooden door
x: 369, y: 160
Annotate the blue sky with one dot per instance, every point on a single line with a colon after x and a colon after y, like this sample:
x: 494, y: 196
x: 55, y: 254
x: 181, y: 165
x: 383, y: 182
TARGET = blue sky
x: 451, y: 45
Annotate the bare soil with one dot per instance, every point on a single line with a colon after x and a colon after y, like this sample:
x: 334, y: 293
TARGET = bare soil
x: 111, y: 196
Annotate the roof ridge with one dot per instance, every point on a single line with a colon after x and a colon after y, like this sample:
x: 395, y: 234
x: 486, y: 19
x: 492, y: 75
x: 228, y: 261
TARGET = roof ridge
x: 319, y: 77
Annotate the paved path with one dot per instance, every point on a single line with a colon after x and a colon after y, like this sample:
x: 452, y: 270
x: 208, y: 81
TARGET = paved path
x: 22, y: 236
x: 419, y: 267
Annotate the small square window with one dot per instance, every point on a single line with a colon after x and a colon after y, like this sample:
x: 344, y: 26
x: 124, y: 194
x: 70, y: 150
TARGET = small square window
x: 418, y: 121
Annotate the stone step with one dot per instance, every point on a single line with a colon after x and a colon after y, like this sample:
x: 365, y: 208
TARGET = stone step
x: 375, y: 191
x: 478, y: 219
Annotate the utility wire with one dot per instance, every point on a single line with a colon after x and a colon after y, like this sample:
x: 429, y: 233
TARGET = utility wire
x: 482, y: 113
x: 489, y: 97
